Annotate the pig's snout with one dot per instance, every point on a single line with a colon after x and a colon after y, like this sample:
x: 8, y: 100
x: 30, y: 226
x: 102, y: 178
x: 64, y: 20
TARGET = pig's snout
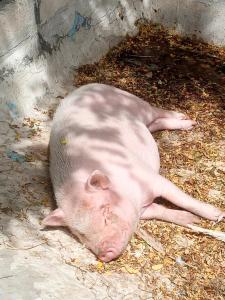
x: 108, y: 251
x: 108, y: 255
x: 113, y: 245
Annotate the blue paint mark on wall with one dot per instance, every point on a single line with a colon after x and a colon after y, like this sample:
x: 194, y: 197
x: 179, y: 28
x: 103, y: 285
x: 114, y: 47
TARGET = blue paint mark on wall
x: 13, y: 109
x: 13, y: 155
x: 78, y: 22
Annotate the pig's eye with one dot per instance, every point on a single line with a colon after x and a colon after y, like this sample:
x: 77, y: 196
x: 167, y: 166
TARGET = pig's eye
x: 81, y: 236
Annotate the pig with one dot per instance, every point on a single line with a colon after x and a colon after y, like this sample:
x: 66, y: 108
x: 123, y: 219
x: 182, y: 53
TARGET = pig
x: 104, y: 168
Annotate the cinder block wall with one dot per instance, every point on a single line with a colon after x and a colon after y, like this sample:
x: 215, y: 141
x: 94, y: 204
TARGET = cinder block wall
x: 43, y: 41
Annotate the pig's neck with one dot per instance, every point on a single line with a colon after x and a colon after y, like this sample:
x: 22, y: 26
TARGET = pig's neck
x: 128, y: 211
x: 129, y: 191
x: 131, y: 198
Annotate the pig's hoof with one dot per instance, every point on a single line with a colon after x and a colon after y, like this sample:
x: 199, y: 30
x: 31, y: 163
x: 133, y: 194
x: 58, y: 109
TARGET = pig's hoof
x: 187, y: 124
x: 220, y: 218
x: 214, y: 214
x: 184, y: 218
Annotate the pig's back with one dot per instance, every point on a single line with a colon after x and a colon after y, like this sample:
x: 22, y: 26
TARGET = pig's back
x: 100, y: 127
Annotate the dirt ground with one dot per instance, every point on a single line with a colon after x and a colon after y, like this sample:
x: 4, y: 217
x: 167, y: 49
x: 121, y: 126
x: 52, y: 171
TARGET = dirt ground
x: 169, y: 72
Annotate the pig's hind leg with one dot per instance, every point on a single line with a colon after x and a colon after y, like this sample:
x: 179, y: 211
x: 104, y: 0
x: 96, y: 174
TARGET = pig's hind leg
x: 166, y: 189
x: 165, y: 119
x: 160, y: 212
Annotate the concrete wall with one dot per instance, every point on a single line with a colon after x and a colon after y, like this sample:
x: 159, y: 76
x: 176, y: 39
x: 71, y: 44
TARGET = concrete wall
x: 42, y: 41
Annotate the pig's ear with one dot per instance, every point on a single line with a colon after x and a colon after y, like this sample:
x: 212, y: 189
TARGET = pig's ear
x: 55, y: 218
x: 97, y: 181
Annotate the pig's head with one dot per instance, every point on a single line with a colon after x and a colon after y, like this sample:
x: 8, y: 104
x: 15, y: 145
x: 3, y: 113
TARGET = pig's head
x: 97, y: 215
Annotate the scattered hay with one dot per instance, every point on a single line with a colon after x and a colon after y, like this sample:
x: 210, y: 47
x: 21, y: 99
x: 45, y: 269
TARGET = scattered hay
x: 188, y: 76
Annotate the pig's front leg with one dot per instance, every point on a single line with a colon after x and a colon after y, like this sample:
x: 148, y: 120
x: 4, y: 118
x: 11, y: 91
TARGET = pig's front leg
x: 166, y: 189
x: 160, y: 212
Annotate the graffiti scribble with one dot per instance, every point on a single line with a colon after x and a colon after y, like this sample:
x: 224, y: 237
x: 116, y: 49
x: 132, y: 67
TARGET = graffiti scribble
x: 79, y: 21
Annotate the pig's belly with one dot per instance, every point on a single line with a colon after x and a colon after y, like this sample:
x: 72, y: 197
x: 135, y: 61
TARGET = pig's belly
x: 125, y: 151
x: 142, y: 150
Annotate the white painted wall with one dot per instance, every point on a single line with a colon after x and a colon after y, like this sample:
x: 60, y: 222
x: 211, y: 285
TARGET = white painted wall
x: 42, y: 41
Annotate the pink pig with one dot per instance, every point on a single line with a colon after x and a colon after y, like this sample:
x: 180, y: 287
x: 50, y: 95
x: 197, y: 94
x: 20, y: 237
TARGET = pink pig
x: 104, y: 166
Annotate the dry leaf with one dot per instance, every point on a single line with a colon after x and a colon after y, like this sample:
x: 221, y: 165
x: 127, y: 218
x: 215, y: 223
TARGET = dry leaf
x: 150, y: 240
x: 18, y: 136
x: 131, y: 270
x: 157, y: 267
x: 100, y: 265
